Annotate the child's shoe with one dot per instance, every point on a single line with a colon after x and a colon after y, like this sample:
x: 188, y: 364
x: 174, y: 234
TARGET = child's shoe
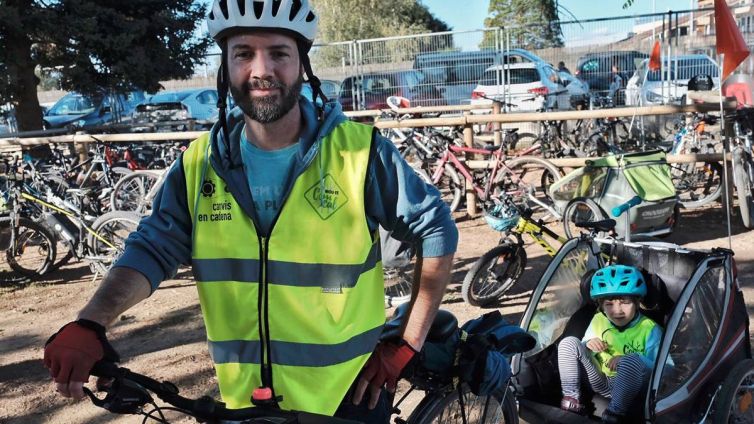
x: 610, y: 417
x: 571, y: 404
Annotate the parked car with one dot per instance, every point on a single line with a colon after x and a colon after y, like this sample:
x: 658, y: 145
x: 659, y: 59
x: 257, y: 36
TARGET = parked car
x: 578, y: 90
x: 81, y: 111
x: 455, y: 74
x: 596, y: 68
x: 370, y: 91
x: 329, y: 87
x: 177, y: 110
x: 646, y: 87
x: 531, y: 86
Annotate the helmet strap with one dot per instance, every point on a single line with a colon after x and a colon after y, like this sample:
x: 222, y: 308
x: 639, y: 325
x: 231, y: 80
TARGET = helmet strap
x: 222, y: 98
x: 314, y: 82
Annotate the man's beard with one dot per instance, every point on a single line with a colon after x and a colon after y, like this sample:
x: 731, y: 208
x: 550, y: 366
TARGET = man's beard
x: 266, y: 109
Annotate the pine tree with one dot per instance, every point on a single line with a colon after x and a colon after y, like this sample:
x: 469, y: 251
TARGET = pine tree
x: 532, y: 24
x: 94, y: 44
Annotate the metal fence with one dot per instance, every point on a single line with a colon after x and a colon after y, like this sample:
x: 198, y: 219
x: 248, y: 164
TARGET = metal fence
x: 444, y: 68
x: 451, y: 64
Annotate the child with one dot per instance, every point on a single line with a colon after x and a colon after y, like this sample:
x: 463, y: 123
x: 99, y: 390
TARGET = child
x: 619, y: 348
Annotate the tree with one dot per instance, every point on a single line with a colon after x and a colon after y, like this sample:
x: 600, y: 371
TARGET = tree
x: 94, y: 45
x: 346, y: 20
x: 532, y: 24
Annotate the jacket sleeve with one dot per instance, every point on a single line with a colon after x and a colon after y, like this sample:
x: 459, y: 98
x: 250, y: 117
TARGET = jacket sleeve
x: 162, y: 240
x: 401, y: 202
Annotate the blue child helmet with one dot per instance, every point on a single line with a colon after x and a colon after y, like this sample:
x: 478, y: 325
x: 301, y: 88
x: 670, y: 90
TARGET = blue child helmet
x: 502, y: 217
x: 618, y: 280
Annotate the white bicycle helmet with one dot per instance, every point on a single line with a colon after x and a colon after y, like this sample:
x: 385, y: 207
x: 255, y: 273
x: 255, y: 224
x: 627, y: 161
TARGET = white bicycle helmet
x: 291, y: 15
x: 294, y: 17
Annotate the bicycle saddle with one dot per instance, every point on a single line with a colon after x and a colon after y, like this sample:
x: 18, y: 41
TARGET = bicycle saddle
x: 604, y: 225
x: 444, y: 325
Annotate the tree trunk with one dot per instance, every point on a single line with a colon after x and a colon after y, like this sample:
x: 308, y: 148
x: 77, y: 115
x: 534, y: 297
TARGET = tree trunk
x: 24, y: 92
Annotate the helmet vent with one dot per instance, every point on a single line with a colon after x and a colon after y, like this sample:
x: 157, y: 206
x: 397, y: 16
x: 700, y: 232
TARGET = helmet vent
x: 275, y: 7
x: 224, y: 8
x: 310, y: 17
x: 295, y: 7
x: 258, y: 9
x: 241, y: 7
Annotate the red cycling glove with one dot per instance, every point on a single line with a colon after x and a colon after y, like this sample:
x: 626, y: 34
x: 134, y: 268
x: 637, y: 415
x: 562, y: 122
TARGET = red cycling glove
x: 386, y: 363
x: 74, y: 349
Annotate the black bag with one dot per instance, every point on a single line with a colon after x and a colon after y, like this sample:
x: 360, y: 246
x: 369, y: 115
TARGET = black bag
x: 488, y: 342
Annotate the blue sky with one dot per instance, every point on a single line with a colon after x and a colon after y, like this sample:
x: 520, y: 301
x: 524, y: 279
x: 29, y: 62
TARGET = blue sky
x: 471, y: 15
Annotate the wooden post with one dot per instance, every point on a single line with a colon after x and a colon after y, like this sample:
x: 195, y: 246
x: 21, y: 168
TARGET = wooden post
x: 497, y: 135
x: 468, y: 140
x: 82, y: 149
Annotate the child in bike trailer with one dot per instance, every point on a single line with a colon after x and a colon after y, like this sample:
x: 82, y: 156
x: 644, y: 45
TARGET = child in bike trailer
x: 619, y: 348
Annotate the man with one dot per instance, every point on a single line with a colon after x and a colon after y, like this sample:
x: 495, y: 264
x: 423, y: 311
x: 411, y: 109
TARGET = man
x: 277, y: 210
x: 562, y: 67
x: 616, y: 84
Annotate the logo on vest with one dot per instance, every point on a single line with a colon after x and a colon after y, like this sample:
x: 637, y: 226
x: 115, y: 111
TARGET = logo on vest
x: 208, y: 188
x: 326, y: 197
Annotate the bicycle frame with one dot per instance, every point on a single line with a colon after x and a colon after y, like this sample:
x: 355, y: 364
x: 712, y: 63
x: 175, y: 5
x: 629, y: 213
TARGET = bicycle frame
x: 537, y: 231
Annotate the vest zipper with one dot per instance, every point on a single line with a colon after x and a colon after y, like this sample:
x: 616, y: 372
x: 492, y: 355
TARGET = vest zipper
x: 265, y: 364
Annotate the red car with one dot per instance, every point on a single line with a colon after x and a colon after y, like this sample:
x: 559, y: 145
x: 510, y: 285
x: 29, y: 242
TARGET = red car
x: 370, y: 91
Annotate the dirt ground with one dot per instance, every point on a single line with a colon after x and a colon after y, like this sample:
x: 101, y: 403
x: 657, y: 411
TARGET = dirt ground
x: 164, y: 336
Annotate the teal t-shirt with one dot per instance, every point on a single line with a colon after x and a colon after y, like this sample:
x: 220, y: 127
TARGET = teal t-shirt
x: 267, y: 172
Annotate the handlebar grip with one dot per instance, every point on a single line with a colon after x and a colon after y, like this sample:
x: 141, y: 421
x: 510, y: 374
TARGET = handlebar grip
x: 618, y: 210
x: 104, y: 369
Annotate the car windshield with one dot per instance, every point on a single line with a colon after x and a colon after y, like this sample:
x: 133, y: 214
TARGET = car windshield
x: 75, y: 104
x: 685, y: 69
x: 517, y: 76
x: 168, y: 97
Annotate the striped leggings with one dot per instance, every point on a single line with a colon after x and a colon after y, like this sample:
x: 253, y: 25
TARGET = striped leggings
x: 574, y: 360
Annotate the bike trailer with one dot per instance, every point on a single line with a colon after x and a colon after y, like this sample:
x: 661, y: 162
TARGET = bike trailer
x: 703, y: 372
x: 614, y: 179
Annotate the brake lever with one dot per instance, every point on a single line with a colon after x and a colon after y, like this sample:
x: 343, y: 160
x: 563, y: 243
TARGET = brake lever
x: 123, y: 397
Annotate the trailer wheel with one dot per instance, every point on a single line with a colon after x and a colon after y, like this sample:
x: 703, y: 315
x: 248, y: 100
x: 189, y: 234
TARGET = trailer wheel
x: 735, y: 402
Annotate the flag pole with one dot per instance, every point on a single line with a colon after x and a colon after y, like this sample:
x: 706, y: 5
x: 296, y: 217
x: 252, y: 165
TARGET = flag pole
x: 726, y: 186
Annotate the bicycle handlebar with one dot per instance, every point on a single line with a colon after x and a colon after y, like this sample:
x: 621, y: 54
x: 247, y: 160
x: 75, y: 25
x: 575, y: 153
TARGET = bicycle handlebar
x: 129, y: 392
x: 618, y: 210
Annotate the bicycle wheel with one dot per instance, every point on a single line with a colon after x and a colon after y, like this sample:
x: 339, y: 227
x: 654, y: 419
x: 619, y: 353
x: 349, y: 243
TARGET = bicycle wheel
x: 450, y: 186
x: 130, y: 192
x: 733, y: 404
x: 398, y: 284
x: 524, y: 141
x: 445, y: 408
x: 578, y: 210
x: 33, y: 252
x: 527, y: 180
x: 594, y: 146
x: 110, y: 233
x: 743, y: 173
x: 493, y: 274
x: 697, y: 183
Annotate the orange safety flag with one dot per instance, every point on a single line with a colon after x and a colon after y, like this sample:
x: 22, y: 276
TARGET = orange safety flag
x: 729, y: 40
x: 654, y: 58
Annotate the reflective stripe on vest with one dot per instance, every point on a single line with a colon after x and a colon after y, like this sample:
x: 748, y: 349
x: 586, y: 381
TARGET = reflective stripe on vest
x: 631, y: 340
x: 326, y: 302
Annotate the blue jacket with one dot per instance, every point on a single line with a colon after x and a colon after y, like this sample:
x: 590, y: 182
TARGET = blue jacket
x: 396, y: 198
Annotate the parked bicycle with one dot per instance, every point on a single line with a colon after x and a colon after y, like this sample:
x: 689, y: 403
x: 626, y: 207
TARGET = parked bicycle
x: 37, y: 222
x: 743, y: 164
x: 499, y: 269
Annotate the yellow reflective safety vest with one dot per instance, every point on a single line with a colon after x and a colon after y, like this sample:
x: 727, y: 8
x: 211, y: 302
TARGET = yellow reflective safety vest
x: 308, y: 299
x: 630, y: 340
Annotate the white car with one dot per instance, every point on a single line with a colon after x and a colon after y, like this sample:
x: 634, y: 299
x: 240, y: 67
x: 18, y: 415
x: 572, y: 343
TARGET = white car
x: 646, y: 87
x: 527, y: 86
